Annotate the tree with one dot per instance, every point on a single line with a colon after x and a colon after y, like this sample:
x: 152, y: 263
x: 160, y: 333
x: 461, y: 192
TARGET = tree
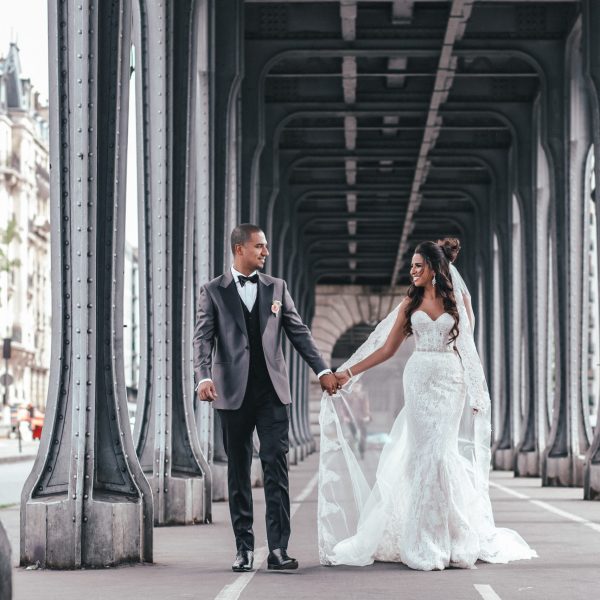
x: 7, y: 236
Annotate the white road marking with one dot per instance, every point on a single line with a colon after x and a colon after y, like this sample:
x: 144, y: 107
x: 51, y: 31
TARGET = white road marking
x: 233, y: 591
x: 304, y: 494
x: 548, y: 507
x: 486, y: 592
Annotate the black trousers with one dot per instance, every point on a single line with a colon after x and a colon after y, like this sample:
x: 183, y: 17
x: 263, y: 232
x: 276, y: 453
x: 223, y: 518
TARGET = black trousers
x: 270, y: 417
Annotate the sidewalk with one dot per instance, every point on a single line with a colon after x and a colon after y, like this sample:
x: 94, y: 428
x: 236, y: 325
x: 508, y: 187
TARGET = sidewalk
x: 9, y: 450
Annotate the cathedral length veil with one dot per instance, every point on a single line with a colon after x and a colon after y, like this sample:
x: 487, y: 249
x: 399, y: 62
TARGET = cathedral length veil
x: 351, y: 505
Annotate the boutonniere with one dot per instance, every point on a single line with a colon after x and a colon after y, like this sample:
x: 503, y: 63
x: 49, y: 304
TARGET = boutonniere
x: 275, y: 307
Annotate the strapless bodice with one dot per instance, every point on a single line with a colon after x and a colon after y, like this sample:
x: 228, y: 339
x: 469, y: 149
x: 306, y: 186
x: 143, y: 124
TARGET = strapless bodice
x: 432, y: 335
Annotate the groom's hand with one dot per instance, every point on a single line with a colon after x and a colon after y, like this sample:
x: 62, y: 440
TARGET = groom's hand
x: 207, y: 391
x: 329, y: 383
x: 342, y: 378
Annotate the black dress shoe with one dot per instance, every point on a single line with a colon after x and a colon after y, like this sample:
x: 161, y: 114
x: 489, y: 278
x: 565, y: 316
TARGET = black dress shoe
x: 243, y: 562
x: 279, y: 560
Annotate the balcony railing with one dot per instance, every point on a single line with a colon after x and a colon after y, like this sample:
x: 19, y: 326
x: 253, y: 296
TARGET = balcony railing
x: 11, y: 162
x: 42, y: 173
x: 15, y: 162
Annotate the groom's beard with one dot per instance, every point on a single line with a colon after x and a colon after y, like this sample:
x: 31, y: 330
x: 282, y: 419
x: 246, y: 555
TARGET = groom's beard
x: 261, y: 264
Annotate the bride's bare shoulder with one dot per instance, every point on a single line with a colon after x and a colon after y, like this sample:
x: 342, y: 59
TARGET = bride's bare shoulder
x: 401, y: 318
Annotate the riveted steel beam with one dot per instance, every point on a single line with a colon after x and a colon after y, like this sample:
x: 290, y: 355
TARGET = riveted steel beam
x: 87, y: 502
x: 561, y: 464
x: 228, y: 70
x: 166, y: 435
x: 460, y: 11
x: 591, y: 65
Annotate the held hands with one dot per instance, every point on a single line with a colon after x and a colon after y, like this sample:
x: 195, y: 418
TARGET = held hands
x: 342, y: 378
x: 329, y: 383
x: 207, y: 391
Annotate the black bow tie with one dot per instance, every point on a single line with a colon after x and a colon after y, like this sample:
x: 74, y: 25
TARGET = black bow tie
x: 244, y: 280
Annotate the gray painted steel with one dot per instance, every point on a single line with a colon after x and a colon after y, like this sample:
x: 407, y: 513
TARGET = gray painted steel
x: 166, y: 436
x: 5, y: 566
x: 87, y: 502
x: 591, y: 53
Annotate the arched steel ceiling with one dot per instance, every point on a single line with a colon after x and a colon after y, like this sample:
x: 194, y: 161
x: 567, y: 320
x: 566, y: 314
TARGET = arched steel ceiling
x: 385, y: 123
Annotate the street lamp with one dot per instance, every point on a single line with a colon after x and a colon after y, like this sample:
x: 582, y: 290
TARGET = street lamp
x: 6, y: 379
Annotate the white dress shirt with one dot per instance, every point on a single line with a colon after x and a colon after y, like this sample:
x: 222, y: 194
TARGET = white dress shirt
x: 248, y: 293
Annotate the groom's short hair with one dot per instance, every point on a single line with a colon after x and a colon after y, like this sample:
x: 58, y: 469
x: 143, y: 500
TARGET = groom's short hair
x: 242, y: 233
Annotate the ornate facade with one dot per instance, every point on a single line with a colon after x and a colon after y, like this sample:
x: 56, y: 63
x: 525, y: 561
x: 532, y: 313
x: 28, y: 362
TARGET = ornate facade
x: 25, y: 304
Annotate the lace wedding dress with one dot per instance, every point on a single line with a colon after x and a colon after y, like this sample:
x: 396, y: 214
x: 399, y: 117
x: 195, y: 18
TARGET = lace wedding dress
x: 429, y: 505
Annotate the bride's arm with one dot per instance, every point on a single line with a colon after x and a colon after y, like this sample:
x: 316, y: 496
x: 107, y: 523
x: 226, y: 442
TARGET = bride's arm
x: 382, y: 354
x: 470, y: 313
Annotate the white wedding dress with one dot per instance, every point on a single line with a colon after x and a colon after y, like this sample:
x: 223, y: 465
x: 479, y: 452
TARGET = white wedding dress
x: 429, y: 506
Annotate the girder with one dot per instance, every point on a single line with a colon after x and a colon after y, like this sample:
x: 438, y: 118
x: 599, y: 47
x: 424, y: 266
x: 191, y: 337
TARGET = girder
x: 165, y: 435
x: 349, y: 118
x: 86, y: 479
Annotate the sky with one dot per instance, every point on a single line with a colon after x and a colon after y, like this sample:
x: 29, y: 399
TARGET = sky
x: 26, y: 22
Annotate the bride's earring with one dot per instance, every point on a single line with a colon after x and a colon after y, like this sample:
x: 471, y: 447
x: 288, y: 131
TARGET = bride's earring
x: 433, y: 281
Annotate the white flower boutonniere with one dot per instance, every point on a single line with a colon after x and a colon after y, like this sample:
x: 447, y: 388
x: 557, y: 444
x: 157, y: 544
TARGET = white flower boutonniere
x: 275, y: 307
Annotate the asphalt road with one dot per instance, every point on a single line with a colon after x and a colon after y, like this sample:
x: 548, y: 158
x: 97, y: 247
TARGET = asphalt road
x: 194, y: 562
x: 12, y: 478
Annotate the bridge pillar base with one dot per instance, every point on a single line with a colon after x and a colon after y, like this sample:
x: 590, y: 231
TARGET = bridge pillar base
x: 591, y: 487
x: 219, y: 481
x: 503, y: 460
x: 109, y: 533
x: 5, y: 565
x: 219, y: 486
x: 564, y: 471
x: 183, y: 499
x: 528, y: 464
x: 294, y: 455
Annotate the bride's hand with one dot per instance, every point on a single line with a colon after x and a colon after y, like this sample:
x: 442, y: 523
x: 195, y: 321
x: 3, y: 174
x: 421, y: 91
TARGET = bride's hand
x: 342, y: 377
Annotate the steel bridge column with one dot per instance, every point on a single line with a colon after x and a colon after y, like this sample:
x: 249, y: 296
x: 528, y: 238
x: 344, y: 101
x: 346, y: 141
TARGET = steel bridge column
x: 561, y: 464
x: 226, y: 48
x: 527, y: 457
x: 227, y: 45
x: 281, y: 268
x: 201, y: 198
x: 591, y: 58
x: 86, y: 502
x: 544, y: 311
x: 305, y: 385
x: 579, y: 139
x: 166, y: 435
x: 503, y: 450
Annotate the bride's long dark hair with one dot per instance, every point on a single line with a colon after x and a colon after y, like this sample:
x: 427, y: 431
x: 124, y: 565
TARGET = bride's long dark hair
x: 438, y: 257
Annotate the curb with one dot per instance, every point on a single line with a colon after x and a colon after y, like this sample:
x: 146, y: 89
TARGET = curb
x: 16, y: 458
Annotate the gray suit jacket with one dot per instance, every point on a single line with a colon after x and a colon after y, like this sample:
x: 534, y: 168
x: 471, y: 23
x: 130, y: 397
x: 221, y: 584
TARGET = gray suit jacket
x: 221, y: 348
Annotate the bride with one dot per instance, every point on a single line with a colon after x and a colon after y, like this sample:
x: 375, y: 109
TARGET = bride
x: 429, y: 505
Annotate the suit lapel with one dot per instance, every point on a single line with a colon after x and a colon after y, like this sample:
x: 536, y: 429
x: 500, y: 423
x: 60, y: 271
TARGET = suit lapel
x: 265, y: 299
x: 232, y: 300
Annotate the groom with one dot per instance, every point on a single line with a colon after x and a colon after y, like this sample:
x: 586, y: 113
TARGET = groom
x: 240, y: 368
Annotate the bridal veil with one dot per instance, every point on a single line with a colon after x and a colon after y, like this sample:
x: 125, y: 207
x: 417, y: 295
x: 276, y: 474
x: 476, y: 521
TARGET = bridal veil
x: 357, y: 489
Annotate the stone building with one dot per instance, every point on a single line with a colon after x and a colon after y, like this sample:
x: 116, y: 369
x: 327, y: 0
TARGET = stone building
x: 131, y: 321
x: 25, y: 304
